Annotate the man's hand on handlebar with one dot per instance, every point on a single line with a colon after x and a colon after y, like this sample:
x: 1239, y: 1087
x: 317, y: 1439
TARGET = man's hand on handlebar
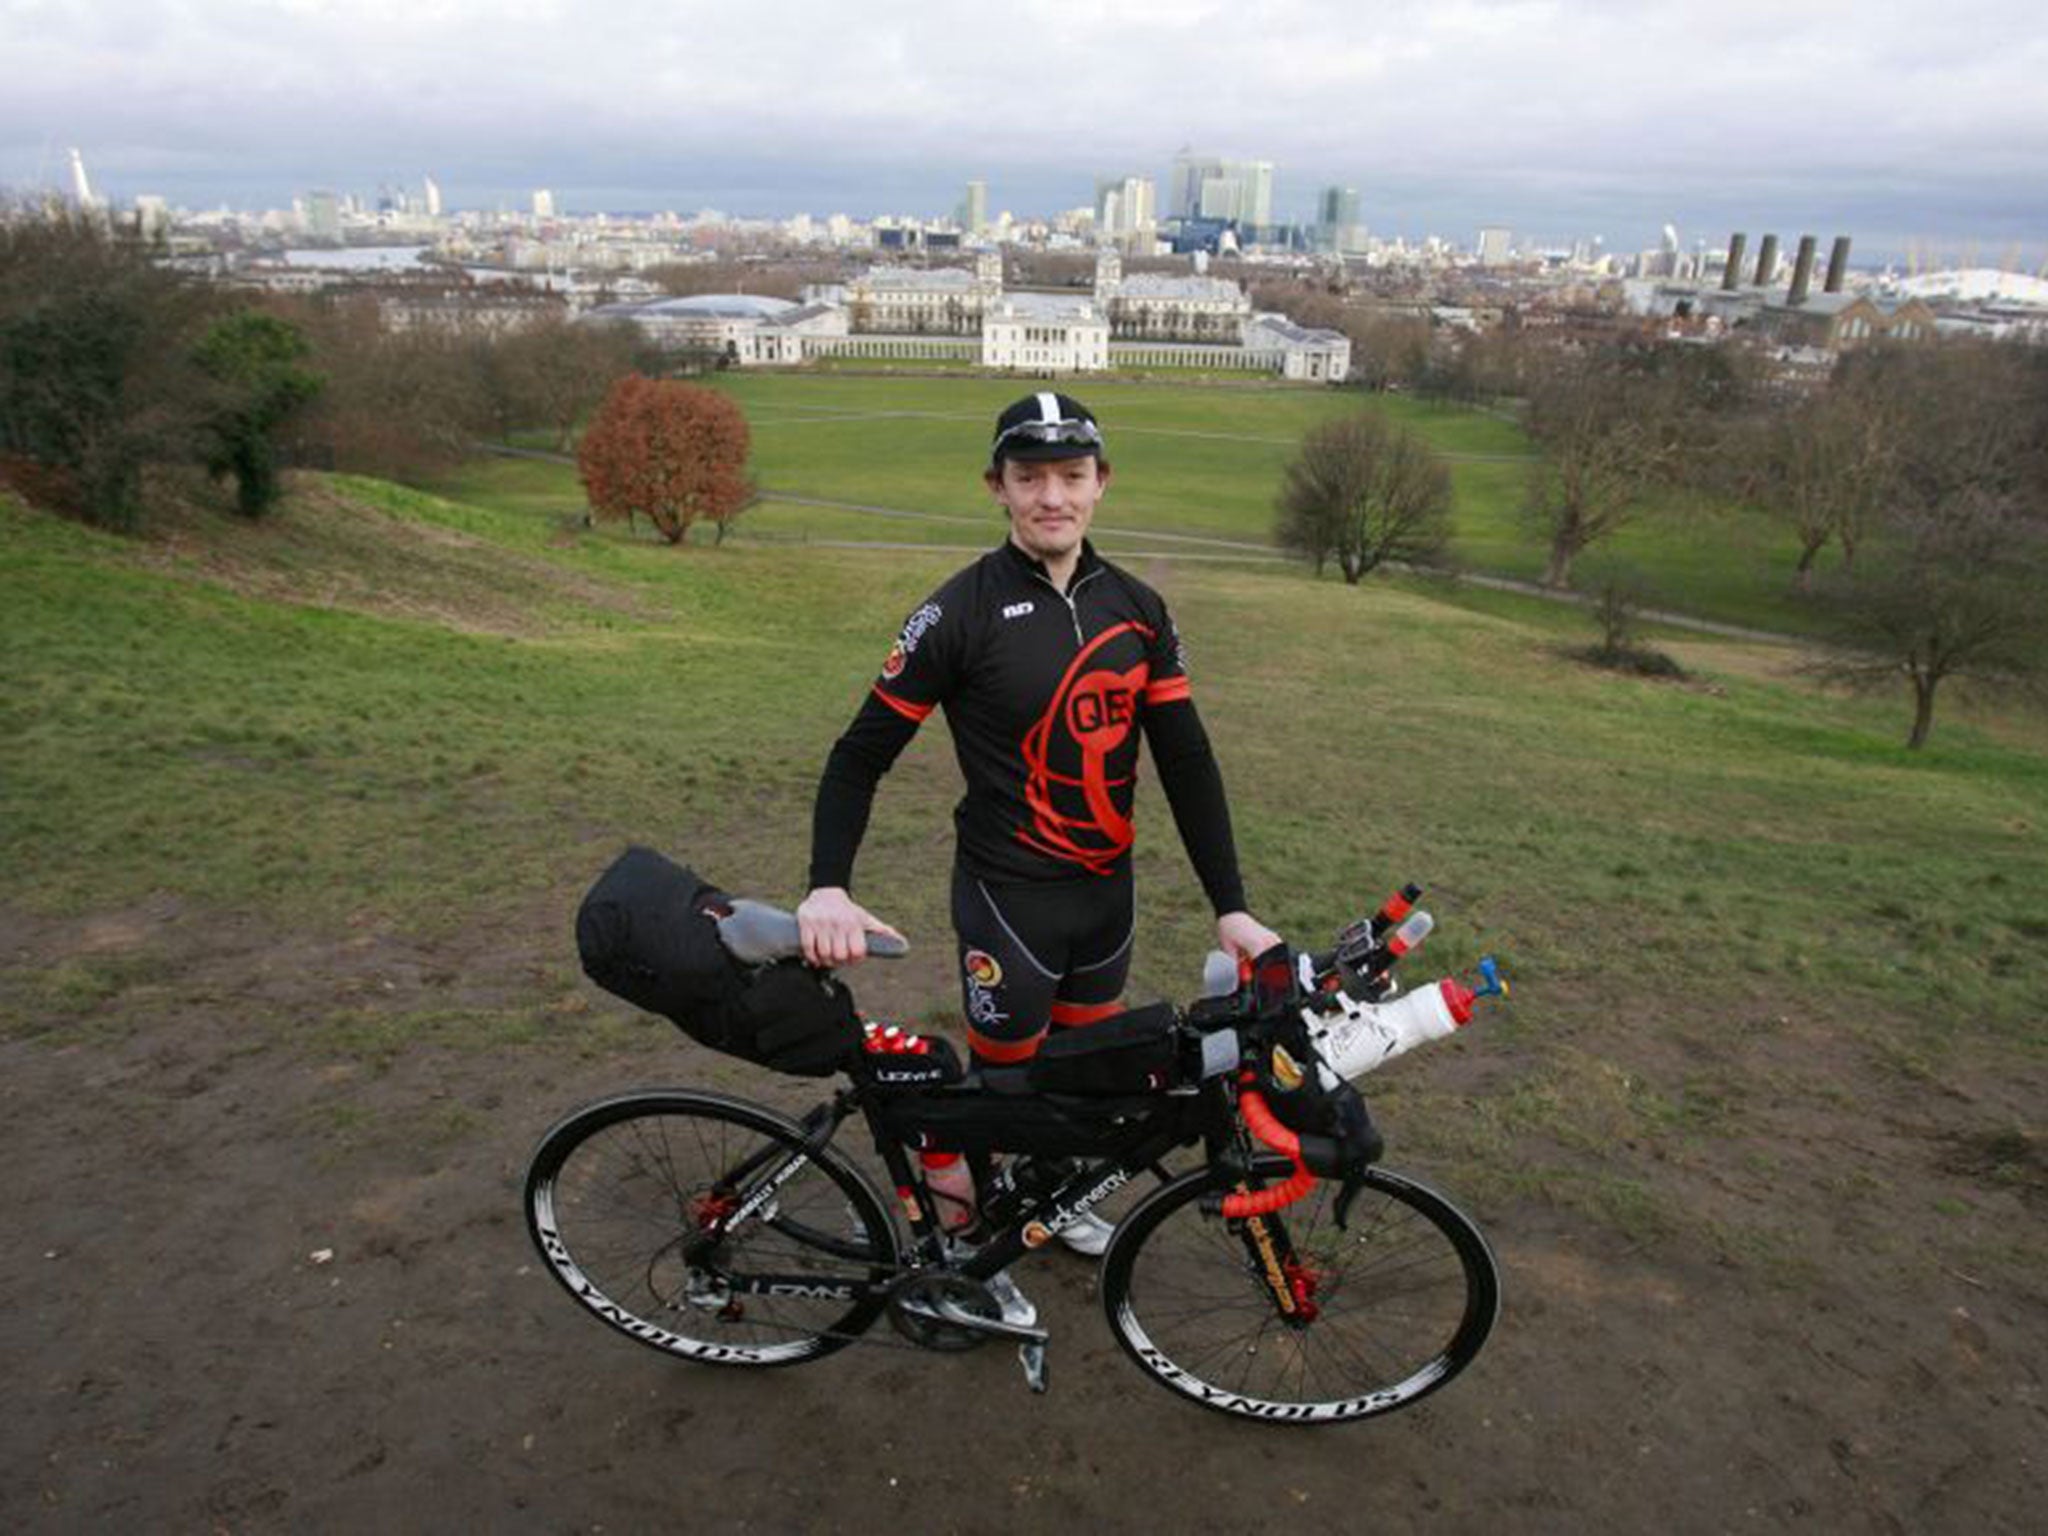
x: 834, y: 927
x: 1244, y: 936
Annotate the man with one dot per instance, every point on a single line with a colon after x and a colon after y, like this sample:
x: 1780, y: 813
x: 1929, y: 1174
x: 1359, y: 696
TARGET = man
x: 1048, y: 661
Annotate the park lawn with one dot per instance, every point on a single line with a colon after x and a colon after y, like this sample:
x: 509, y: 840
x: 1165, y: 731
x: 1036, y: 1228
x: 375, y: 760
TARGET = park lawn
x: 1692, y: 868
x: 1208, y: 459
x: 1199, y: 459
x: 169, y: 729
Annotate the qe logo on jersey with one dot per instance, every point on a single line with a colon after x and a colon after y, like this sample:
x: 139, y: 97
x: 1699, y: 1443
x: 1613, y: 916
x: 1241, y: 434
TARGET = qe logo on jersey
x: 1080, y: 810
x: 1100, y: 707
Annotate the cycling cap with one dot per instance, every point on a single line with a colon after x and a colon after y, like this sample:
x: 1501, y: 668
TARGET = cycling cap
x: 1045, y: 426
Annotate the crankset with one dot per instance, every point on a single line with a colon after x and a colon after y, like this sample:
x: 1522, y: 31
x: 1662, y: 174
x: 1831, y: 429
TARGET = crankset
x: 938, y: 1309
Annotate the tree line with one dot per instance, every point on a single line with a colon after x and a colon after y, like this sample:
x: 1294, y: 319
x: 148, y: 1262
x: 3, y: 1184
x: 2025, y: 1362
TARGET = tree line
x: 111, y: 361
x: 1924, y: 467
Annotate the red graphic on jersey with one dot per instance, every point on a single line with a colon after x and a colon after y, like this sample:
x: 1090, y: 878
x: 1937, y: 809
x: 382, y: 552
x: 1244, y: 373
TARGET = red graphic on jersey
x: 1074, y: 814
x: 892, y: 664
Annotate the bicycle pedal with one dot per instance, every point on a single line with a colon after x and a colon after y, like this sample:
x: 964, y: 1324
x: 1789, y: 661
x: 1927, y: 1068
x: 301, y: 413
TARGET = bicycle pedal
x: 1032, y: 1357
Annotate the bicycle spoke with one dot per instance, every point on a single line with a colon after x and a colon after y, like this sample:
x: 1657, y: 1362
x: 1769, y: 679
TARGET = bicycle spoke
x: 625, y: 1185
x: 1390, y: 1307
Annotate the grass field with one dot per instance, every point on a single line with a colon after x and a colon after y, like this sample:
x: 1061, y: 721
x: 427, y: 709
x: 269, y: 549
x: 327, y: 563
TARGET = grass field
x: 1201, y: 458
x: 424, y: 712
x: 393, y: 703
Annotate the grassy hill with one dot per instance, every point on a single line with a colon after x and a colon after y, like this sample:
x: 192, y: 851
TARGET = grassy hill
x: 433, y: 712
x: 296, y: 815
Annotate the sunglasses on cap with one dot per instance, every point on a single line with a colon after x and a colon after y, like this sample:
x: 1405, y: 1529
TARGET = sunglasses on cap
x: 1068, y: 433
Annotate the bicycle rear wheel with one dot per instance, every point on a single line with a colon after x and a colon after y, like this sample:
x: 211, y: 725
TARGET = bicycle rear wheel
x: 1386, y: 1309
x: 704, y: 1227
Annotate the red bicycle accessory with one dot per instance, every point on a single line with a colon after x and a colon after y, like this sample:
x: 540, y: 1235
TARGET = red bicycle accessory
x: 892, y: 1040
x: 1458, y: 998
x: 1260, y: 1119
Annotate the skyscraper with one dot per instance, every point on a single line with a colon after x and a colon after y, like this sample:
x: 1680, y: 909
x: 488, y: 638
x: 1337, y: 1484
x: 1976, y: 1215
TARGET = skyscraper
x: 974, y: 208
x: 1205, y: 188
x: 433, y: 198
x: 1126, y: 208
x: 1337, y: 226
x: 81, y: 189
x: 1184, y: 186
x: 1494, y: 241
x: 543, y: 203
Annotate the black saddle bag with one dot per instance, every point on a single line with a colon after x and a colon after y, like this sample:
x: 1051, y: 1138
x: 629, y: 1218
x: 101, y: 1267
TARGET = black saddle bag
x: 647, y: 932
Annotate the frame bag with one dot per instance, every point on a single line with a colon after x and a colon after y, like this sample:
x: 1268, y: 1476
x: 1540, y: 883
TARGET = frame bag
x: 1137, y: 1051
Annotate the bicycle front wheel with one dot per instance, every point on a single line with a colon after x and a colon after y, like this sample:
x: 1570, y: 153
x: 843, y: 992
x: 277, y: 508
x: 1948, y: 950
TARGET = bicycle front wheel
x: 705, y: 1227
x: 1377, y: 1313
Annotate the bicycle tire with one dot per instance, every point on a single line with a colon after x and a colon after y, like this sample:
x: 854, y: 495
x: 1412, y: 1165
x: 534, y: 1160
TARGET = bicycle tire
x: 617, y: 1189
x: 1403, y: 1298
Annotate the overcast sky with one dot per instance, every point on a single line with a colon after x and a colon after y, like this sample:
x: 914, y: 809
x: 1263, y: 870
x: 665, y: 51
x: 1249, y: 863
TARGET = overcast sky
x: 1879, y: 120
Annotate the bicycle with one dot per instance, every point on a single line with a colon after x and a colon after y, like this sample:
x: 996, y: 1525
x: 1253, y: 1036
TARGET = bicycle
x: 1274, y: 1280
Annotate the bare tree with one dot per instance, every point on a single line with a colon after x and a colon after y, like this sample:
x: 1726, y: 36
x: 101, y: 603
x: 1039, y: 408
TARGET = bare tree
x: 1825, y: 466
x: 1605, y: 438
x: 1364, y: 492
x: 553, y: 373
x: 1953, y: 591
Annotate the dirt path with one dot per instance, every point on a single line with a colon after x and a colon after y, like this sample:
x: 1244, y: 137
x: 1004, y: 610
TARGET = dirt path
x: 183, y: 1357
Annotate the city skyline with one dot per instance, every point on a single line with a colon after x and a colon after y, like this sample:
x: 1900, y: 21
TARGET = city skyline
x: 1896, y: 129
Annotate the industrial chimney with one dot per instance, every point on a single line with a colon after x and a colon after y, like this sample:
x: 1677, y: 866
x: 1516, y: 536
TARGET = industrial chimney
x: 1731, y: 270
x: 1766, y: 260
x: 1838, y: 264
x: 1802, y: 270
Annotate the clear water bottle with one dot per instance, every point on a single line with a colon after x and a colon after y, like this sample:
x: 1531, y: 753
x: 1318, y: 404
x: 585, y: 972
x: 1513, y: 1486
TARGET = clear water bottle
x: 950, y: 1181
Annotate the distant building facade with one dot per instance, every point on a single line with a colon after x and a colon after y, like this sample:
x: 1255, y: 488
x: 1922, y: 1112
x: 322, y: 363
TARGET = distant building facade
x: 961, y: 315
x: 1045, y: 333
x: 918, y: 301
x: 1840, y: 322
x: 1126, y: 211
x: 1152, y: 307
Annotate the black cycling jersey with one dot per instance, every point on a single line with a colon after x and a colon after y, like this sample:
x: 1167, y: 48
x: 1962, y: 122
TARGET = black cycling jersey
x: 1045, y: 692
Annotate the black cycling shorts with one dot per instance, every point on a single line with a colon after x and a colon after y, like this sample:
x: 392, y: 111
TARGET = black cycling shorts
x: 1039, y: 954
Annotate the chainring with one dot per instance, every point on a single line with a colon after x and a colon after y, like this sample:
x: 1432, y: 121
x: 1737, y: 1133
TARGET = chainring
x: 930, y: 1287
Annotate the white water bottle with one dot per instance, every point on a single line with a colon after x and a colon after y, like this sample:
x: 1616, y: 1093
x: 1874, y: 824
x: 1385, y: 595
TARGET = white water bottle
x: 1364, y: 1036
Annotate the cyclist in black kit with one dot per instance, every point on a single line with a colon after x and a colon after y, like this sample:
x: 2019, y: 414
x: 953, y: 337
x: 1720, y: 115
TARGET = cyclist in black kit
x: 1048, y: 661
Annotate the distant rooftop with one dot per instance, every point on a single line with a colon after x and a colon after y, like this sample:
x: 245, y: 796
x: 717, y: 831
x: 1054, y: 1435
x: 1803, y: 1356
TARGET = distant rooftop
x: 1049, y: 306
x: 1297, y: 335
x: 919, y: 277
x: 709, y: 306
x: 1159, y: 285
x: 1835, y: 303
x: 1977, y: 283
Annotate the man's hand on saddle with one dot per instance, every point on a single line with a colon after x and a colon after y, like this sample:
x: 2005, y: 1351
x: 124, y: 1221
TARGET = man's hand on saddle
x: 834, y: 927
x: 1244, y: 936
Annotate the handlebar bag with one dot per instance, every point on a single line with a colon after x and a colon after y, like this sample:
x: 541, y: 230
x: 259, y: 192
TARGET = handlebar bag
x: 647, y: 932
x: 1137, y: 1051
x: 1338, y: 1137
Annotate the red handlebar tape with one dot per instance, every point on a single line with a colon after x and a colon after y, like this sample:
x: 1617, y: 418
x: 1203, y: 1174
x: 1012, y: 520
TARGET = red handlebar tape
x: 1252, y: 1105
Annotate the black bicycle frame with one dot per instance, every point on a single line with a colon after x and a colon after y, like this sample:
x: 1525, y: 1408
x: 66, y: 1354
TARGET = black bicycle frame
x: 1091, y: 1182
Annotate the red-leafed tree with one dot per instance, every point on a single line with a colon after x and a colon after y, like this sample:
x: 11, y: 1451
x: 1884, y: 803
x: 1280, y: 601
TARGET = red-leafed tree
x: 670, y: 452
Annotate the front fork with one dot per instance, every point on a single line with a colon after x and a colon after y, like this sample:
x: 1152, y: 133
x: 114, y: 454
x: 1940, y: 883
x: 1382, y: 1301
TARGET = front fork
x: 1289, y: 1283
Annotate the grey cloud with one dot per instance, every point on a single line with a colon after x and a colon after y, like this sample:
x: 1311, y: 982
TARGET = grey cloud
x: 1681, y: 103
